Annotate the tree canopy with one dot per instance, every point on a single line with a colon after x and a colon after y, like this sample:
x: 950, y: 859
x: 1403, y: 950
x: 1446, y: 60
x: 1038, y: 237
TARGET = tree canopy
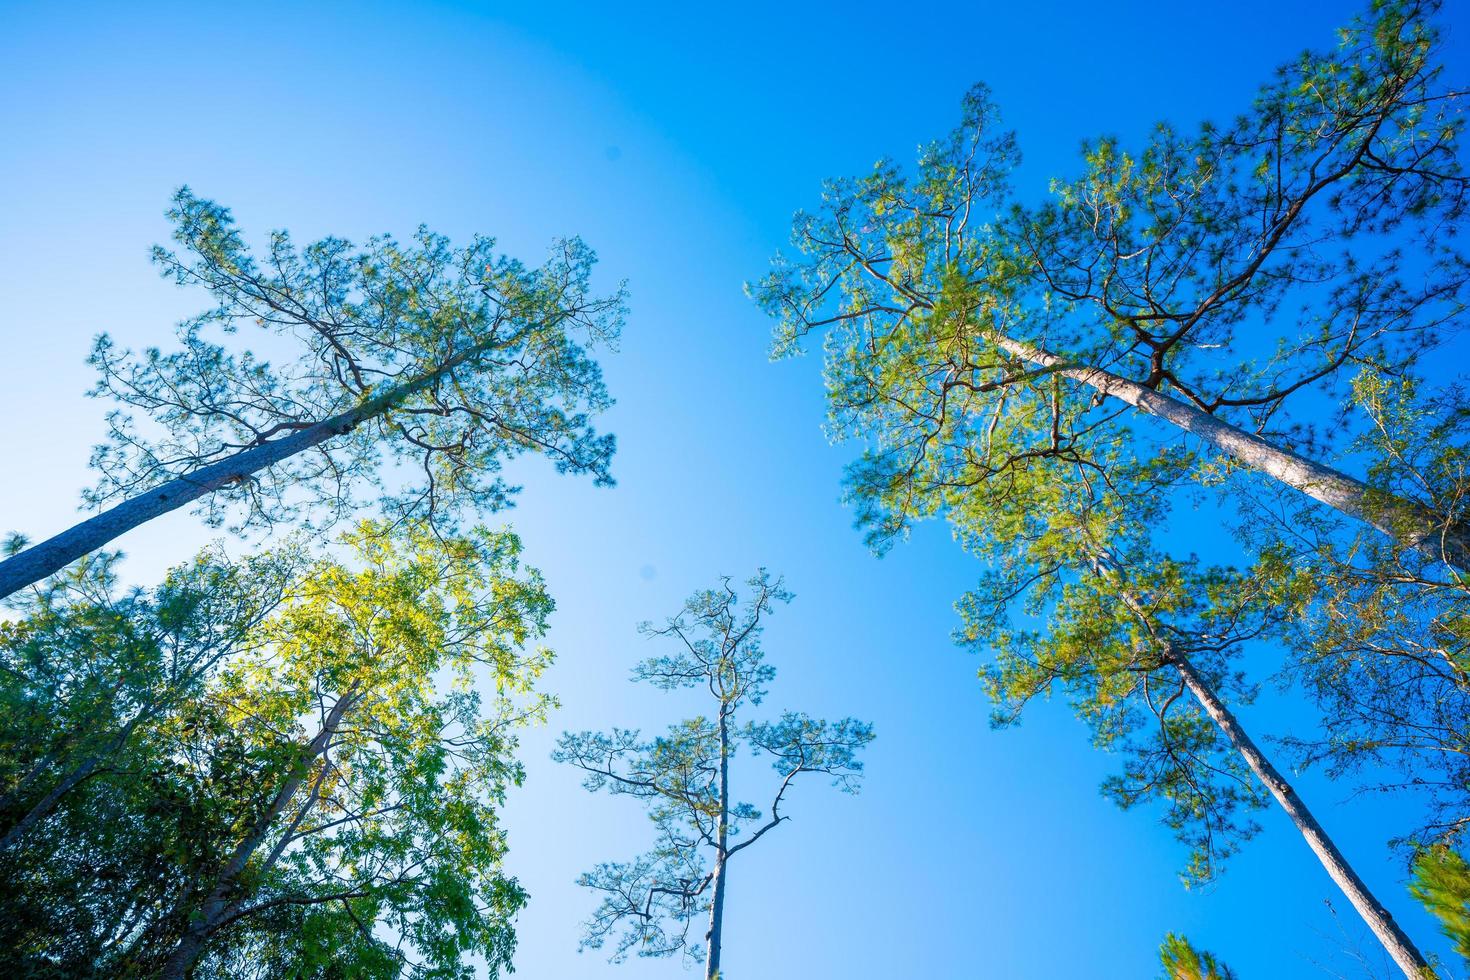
x: 416, y: 370
x: 325, y: 797
x: 1211, y: 280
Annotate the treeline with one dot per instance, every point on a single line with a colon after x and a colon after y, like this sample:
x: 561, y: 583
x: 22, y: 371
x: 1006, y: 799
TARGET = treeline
x: 291, y: 764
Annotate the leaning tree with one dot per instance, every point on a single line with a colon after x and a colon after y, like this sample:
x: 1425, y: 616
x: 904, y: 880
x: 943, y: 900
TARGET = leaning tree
x: 417, y: 369
x: 1209, y: 281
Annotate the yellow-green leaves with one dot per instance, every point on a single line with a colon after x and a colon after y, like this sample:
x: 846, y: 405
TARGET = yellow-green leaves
x: 1442, y: 883
x: 1182, y: 961
x: 374, y: 720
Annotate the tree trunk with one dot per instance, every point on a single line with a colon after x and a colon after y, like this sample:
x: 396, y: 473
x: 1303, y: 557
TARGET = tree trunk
x: 13, y: 796
x: 220, y: 902
x: 1406, y: 521
x: 54, y: 554
x: 717, y: 902
x: 66, y: 784
x: 1399, y: 947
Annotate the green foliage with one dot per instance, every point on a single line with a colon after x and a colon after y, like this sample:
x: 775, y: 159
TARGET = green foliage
x: 649, y: 904
x: 1112, y: 629
x: 325, y: 774
x: 453, y: 359
x: 393, y: 818
x: 938, y: 295
x: 96, y: 823
x: 1235, y: 270
x: 1442, y: 883
x: 1183, y: 962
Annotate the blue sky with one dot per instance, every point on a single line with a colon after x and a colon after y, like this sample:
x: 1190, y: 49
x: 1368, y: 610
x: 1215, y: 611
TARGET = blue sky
x: 677, y: 141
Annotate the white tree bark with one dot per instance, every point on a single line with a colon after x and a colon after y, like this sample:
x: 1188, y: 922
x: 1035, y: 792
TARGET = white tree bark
x: 717, y: 901
x: 54, y: 554
x: 1404, y: 520
x: 1398, y: 945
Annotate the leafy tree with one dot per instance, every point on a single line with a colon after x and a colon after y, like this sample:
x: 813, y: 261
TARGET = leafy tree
x: 1442, y: 883
x: 1211, y: 281
x: 1183, y: 962
x: 1131, y: 637
x: 441, y: 361
x: 683, y: 776
x: 332, y: 781
x: 371, y: 794
x: 1123, y: 666
x: 84, y: 669
x: 97, y: 825
x: 991, y: 357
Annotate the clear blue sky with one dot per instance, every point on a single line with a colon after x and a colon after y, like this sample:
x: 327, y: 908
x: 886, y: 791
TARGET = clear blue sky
x: 678, y: 140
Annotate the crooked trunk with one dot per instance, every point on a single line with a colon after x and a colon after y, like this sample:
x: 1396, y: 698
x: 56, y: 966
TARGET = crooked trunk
x: 1406, y: 521
x: 1398, y: 945
x: 52, y: 555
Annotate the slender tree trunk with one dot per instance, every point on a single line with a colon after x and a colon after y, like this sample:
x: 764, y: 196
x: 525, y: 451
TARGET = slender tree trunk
x: 717, y: 902
x: 1406, y: 521
x: 88, y: 766
x: 1398, y: 945
x: 220, y: 901
x: 70, y: 781
x: 1395, y: 942
x: 16, y: 792
x: 54, y: 554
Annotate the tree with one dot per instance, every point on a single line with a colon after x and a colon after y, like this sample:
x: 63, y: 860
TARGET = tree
x: 372, y: 794
x: 95, y: 825
x: 1183, y: 962
x: 84, y: 669
x: 1442, y: 883
x: 683, y: 777
x: 330, y: 783
x: 1128, y: 634
x: 442, y: 361
x: 990, y: 361
x: 1209, y: 281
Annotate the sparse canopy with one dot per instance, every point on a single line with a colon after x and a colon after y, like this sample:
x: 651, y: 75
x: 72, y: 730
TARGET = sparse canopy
x: 1110, y: 646
x: 414, y: 370
x: 683, y: 777
x: 1209, y: 280
x: 493, y: 352
x: 1380, y: 636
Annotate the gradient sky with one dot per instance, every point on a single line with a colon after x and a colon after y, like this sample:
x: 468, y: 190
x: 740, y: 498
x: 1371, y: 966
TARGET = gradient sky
x: 677, y: 141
